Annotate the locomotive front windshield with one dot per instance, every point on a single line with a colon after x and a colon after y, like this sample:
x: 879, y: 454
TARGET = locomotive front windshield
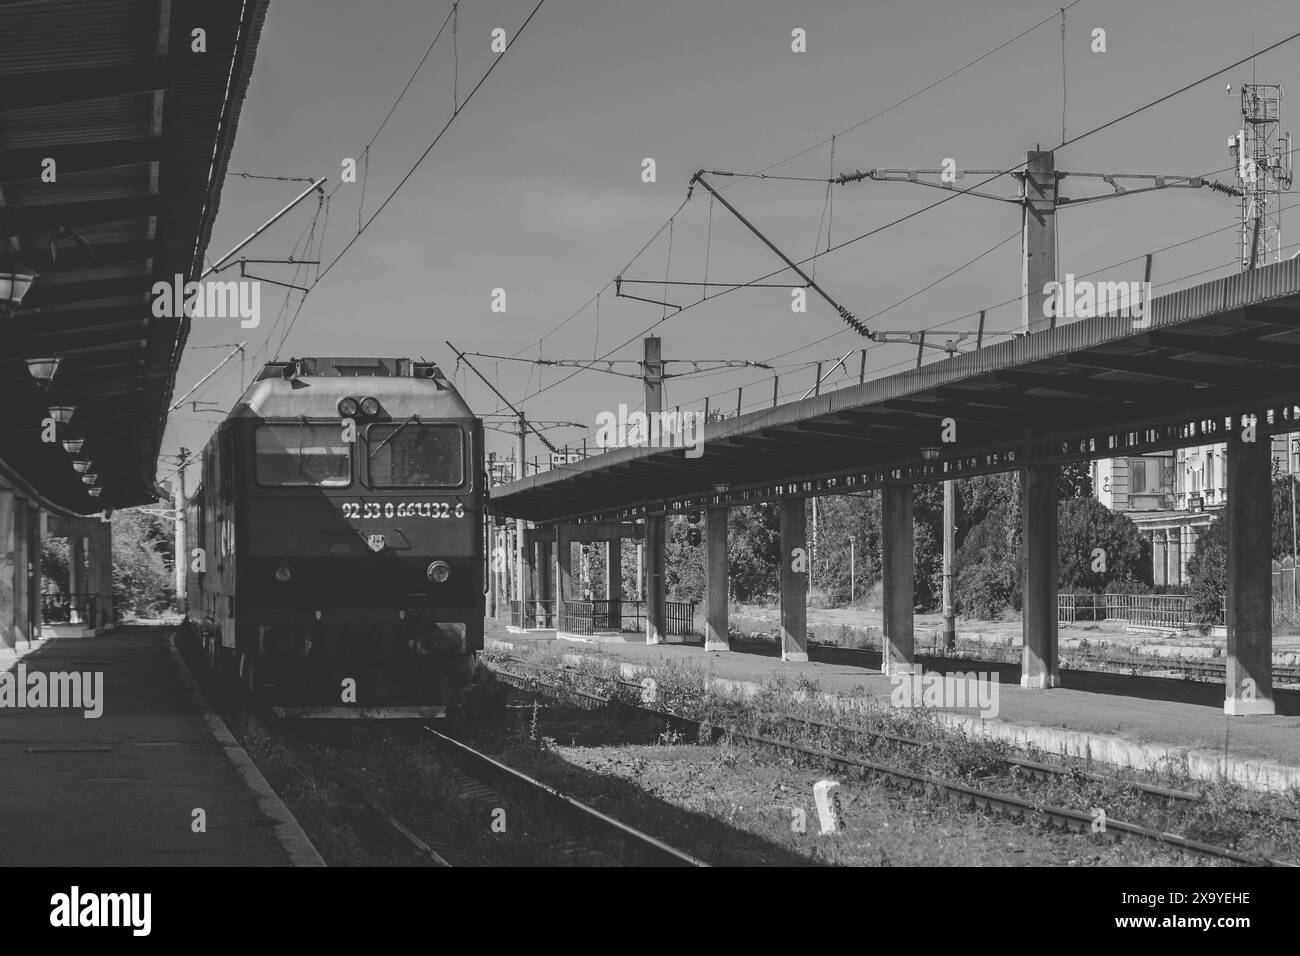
x: 304, y: 455
x: 410, y: 454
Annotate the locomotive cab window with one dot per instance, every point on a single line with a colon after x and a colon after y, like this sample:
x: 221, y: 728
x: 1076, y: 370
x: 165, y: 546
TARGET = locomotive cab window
x: 411, y: 454
x: 302, y: 454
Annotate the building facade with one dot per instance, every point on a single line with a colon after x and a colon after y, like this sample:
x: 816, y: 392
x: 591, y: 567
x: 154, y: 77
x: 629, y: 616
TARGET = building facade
x: 1173, y: 496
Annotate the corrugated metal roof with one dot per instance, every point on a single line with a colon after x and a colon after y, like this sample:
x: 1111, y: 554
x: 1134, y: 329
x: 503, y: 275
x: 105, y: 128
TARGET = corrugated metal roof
x: 83, y: 80
x: 76, y: 34
x: 1225, y: 344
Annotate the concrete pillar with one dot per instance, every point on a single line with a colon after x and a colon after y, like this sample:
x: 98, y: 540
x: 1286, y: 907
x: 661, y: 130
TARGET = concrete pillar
x: 614, y: 581
x: 716, y: 634
x: 656, y: 581
x: 794, y: 579
x: 100, y: 572
x: 1174, y: 550
x: 525, y: 567
x: 543, y: 592
x: 523, y: 552
x: 76, y: 575
x: 38, y: 534
x: 563, y: 574
x: 898, y: 572
x: 490, y: 538
x: 22, y: 537
x: 1249, y: 678
x: 1038, y: 668
x: 8, y: 571
x: 1159, y: 555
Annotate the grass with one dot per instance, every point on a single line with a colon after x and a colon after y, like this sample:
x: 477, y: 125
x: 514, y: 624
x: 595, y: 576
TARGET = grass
x: 1226, y: 814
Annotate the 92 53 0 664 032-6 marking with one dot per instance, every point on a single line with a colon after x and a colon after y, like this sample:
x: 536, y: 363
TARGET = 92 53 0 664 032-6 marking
x: 402, y: 509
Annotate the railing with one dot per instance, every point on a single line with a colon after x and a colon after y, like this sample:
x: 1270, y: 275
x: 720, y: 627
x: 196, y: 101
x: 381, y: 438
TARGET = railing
x: 532, y: 614
x: 1143, y: 610
x: 80, y: 609
x: 591, y: 617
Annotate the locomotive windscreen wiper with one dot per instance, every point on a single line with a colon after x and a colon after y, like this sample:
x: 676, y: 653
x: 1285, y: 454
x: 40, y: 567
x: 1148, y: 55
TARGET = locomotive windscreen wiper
x: 391, y: 436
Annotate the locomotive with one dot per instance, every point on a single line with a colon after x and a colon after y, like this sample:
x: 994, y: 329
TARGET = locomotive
x: 336, y: 540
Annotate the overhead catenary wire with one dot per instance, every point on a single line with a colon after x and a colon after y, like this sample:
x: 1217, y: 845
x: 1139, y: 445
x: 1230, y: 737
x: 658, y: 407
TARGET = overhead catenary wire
x: 763, y: 173
x: 322, y: 273
x: 947, y: 198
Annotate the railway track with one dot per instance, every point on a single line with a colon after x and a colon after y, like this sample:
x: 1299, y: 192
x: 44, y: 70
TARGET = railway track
x: 1192, y: 668
x: 1031, y: 768
x: 652, y: 850
x: 476, y: 778
x: 961, y: 793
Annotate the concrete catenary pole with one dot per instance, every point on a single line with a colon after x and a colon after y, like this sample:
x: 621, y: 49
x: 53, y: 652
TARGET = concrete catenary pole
x: 521, y: 450
x: 949, y: 547
x: 1038, y: 238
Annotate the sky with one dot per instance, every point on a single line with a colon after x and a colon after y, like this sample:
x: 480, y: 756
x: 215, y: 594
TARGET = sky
x: 537, y: 185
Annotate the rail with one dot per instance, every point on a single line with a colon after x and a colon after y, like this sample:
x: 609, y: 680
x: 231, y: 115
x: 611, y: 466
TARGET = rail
x: 597, y: 617
x: 529, y: 615
x: 1143, y: 610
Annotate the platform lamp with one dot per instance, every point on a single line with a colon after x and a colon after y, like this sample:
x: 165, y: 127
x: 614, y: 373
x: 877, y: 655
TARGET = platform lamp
x: 81, y: 465
x: 95, y: 492
x: 930, y: 452
x: 73, y: 446
x: 90, y: 477
x: 62, y: 414
x: 15, y: 280
x: 43, y: 370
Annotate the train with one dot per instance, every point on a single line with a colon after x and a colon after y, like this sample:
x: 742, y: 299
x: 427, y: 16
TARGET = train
x: 336, y: 540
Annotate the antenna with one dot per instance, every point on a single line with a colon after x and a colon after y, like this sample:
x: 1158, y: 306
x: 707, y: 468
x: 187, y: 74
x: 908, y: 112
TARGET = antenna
x: 1264, y: 171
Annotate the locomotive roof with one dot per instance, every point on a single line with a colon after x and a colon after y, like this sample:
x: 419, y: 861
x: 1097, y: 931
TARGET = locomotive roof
x: 312, y: 387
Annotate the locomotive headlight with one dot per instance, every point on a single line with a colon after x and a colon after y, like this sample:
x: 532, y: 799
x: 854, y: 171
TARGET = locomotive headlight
x: 439, y: 571
x: 347, y: 407
x: 283, y: 574
x: 370, y: 407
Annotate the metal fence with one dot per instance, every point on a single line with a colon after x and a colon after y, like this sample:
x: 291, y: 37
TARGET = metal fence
x: 80, y: 609
x: 1143, y: 610
x: 593, y: 617
x: 532, y: 614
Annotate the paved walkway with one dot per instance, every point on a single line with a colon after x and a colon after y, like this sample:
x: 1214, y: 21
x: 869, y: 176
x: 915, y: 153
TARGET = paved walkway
x: 121, y: 789
x: 1140, y: 721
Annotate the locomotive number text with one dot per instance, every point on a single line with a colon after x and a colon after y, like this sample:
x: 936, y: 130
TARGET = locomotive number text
x: 404, y: 509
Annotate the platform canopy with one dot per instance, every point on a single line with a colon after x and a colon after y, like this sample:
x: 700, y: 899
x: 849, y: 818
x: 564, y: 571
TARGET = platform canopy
x: 1092, y: 388
x: 139, y: 127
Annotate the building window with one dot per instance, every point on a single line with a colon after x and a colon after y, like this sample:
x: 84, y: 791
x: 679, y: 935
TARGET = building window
x: 1137, y: 481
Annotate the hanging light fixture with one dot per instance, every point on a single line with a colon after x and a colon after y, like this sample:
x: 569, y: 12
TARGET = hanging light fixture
x: 95, y: 492
x: 43, y: 370
x: 63, y: 413
x: 90, y: 477
x: 81, y: 465
x: 15, y: 280
x: 930, y: 452
x: 73, y: 445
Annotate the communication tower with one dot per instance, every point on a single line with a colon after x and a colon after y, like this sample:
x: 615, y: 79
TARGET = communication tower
x: 1263, y: 156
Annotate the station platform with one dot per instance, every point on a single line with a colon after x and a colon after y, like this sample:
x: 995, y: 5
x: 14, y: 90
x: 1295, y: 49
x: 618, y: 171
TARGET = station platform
x: 121, y: 789
x: 1149, y: 723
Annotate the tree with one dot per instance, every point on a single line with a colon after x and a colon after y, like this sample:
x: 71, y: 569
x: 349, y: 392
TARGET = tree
x: 1087, y: 527
x: 1207, y: 572
x: 986, y: 576
x: 142, y: 574
x: 685, y: 561
x: 754, y: 551
x: 1283, y: 541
